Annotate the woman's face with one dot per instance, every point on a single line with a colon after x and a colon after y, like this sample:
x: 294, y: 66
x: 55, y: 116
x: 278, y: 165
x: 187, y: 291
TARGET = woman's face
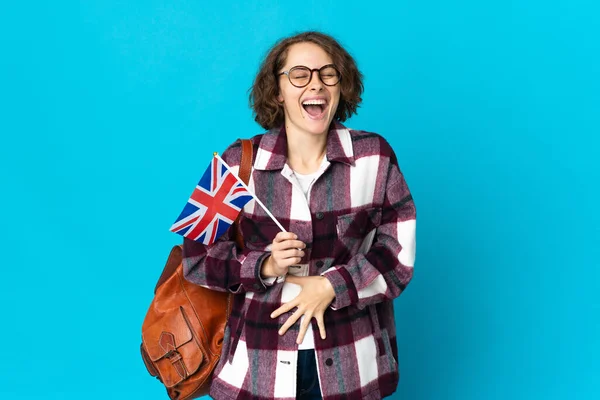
x: 309, y: 109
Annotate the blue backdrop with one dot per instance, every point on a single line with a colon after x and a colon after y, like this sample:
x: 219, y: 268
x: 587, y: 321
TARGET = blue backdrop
x: 110, y: 110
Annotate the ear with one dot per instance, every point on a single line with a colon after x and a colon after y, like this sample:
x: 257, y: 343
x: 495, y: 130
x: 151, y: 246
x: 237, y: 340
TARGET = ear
x: 280, y: 98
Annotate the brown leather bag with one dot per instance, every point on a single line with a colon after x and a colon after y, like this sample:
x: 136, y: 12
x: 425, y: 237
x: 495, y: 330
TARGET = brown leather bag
x: 183, y: 331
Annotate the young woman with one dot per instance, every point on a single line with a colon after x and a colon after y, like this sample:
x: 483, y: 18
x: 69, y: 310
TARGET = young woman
x: 312, y: 315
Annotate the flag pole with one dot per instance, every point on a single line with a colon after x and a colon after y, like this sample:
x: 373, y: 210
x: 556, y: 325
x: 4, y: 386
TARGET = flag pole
x: 252, y: 194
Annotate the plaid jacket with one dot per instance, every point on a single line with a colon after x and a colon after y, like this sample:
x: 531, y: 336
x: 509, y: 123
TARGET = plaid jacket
x: 359, y: 227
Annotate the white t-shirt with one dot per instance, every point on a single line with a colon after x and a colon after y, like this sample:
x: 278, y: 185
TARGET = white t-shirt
x: 305, y: 182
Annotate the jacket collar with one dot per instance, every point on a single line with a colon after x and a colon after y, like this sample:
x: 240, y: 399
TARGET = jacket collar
x: 272, y: 149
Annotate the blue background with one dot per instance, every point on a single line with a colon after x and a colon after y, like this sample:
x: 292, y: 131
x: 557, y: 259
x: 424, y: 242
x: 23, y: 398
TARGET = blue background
x: 110, y: 111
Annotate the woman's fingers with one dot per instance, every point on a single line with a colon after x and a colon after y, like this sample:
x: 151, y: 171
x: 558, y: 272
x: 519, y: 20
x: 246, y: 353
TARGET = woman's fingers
x: 283, y: 309
x: 303, y: 328
x: 321, y: 324
x: 312, y: 301
x: 288, y: 244
x: 291, y: 253
x: 283, y: 236
x: 286, y: 250
x: 303, y: 325
x: 290, y: 321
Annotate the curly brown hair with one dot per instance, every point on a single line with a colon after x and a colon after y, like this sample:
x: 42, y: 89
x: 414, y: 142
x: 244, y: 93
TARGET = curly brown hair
x: 268, y: 112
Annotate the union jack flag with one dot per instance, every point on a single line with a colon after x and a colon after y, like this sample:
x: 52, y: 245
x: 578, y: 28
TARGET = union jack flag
x: 214, y: 205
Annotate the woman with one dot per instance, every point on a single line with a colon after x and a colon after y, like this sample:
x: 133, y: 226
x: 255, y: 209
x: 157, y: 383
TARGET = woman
x: 312, y: 315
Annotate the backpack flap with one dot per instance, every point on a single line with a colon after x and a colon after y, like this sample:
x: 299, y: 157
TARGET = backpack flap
x: 172, y: 348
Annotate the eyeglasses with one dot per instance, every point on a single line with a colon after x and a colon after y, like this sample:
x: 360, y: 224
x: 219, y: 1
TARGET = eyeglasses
x: 300, y: 76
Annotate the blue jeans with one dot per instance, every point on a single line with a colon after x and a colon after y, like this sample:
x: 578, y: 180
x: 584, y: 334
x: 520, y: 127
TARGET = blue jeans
x: 307, y: 385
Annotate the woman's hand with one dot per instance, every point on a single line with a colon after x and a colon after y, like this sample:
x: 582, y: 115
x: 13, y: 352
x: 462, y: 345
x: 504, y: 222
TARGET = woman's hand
x: 286, y: 250
x: 316, y: 295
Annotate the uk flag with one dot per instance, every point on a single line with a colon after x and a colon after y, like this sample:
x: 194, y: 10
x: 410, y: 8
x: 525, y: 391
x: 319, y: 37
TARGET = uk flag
x: 214, y: 205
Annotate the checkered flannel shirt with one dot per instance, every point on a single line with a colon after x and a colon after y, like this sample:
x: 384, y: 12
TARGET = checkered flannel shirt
x: 359, y: 227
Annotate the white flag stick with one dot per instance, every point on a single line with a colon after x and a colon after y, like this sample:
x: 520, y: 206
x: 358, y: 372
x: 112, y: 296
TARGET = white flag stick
x: 252, y: 194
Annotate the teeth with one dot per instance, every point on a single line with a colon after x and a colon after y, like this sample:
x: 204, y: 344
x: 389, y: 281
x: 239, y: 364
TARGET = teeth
x: 314, y: 102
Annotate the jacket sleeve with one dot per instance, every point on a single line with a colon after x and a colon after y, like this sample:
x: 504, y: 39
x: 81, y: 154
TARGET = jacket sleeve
x: 384, y: 271
x: 222, y: 266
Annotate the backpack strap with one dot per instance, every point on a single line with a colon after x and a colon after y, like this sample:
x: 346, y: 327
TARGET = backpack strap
x: 246, y: 161
x: 244, y: 175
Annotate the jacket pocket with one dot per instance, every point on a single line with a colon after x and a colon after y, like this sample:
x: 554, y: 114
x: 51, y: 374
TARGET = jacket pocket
x: 356, y: 231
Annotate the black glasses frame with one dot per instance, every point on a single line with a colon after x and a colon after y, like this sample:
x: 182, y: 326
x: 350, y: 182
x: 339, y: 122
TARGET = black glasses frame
x: 318, y: 70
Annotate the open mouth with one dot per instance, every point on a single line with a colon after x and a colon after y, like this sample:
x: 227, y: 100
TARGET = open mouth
x: 315, y: 108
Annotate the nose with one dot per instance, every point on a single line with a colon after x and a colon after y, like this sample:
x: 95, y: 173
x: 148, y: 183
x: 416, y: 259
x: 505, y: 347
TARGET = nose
x: 315, y: 83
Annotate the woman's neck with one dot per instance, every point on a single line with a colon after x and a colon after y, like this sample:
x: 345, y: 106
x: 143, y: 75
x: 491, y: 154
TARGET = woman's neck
x: 306, y: 151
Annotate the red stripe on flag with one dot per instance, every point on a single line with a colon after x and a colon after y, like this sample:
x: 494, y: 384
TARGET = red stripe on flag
x: 185, y: 224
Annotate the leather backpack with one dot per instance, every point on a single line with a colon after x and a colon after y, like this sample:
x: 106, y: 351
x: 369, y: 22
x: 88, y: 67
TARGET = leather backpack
x: 182, y: 333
